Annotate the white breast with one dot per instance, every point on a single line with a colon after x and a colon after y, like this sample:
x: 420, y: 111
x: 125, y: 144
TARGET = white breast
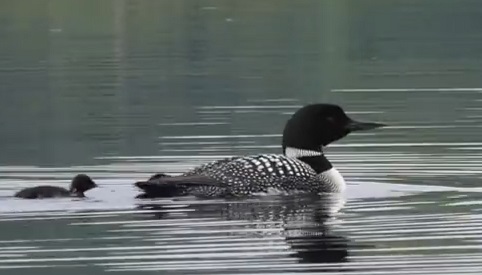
x: 334, y: 180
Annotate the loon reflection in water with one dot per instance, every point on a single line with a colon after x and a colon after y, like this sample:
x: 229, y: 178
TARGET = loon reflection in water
x: 302, y: 220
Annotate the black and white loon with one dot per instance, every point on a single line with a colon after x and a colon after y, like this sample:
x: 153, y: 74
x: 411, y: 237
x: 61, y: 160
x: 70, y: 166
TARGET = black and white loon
x: 303, y: 166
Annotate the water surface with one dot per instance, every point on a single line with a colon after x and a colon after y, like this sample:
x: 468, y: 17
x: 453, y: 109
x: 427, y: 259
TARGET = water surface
x: 122, y: 89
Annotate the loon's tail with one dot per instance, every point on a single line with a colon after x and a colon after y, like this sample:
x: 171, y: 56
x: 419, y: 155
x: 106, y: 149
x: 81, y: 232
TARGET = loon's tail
x: 165, y: 186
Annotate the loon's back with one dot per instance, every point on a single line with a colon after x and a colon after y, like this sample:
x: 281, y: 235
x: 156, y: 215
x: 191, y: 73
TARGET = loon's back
x: 241, y: 176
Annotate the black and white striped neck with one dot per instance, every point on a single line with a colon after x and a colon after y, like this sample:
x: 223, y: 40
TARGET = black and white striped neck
x: 292, y: 152
x: 315, y: 158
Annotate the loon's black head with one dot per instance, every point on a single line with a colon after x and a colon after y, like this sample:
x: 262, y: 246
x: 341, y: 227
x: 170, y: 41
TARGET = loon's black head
x: 81, y: 183
x: 317, y: 125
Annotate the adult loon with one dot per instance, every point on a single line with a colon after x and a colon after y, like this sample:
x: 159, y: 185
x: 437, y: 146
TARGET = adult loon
x: 80, y: 183
x: 303, y: 166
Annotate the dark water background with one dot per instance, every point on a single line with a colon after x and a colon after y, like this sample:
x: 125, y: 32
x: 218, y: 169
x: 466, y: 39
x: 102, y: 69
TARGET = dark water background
x: 121, y: 89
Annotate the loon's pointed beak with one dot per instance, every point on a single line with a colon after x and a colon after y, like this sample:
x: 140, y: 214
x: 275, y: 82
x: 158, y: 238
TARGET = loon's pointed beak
x: 361, y: 126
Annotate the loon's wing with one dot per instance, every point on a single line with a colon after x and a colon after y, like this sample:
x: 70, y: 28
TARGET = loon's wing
x: 199, y: 179
x: 182, y: 179
x: 175, y: 186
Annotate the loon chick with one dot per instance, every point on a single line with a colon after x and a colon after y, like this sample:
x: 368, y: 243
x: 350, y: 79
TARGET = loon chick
x: 302, y: 167
x: 80, y: 184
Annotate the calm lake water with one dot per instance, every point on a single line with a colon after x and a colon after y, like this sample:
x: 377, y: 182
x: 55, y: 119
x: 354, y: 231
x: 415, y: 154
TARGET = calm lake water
x: 124, y: 88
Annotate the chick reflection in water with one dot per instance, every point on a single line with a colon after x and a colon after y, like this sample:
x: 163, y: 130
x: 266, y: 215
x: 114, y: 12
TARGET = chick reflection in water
x: 262, y: 230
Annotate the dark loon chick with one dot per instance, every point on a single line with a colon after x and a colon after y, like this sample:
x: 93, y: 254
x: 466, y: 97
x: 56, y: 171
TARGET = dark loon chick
x: 302, y: 167
x: 80, y: 184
